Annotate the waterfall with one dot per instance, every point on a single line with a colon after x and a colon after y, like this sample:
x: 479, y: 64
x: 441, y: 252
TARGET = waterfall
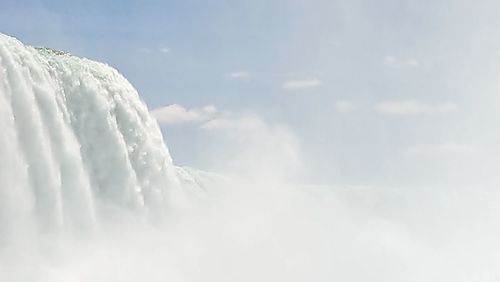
x: 76, y: 141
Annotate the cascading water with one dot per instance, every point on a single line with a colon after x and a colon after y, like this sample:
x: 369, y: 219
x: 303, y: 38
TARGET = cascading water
x: 76, y: 141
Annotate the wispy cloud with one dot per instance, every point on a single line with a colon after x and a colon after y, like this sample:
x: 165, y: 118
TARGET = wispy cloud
x: 395, y: 62
x: 174, y: 114
x: 232, y: 122
x: 207, y: 118
x: 413, y: 107
x: 147, y: 50
x: 238, y: 75
x: 164, y: 50
x: 302, y: 84
x: 344, y: 106
x: 438, y: 150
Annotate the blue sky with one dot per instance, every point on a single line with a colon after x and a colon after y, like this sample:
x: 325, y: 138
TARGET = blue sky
x: 386, y: 92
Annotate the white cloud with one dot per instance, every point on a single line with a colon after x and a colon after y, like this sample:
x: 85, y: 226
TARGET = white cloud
x: 164, y: 50
x: 439, y: 150
x: 302, y: 84
x: 413, y: 107
x: 207, y: 118
x: 344, y: 106
x: 175, y: 113
x: 394, y: 62
x: 238, y: 75
x: 147, y: 50
x: 231, y: 122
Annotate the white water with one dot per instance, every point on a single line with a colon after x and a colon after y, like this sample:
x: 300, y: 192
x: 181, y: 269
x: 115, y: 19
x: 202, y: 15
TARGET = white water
x: 81, y: 159
x: 76, y: 142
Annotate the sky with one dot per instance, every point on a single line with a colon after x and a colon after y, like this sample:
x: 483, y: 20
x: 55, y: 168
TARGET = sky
x: 349, y: 92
